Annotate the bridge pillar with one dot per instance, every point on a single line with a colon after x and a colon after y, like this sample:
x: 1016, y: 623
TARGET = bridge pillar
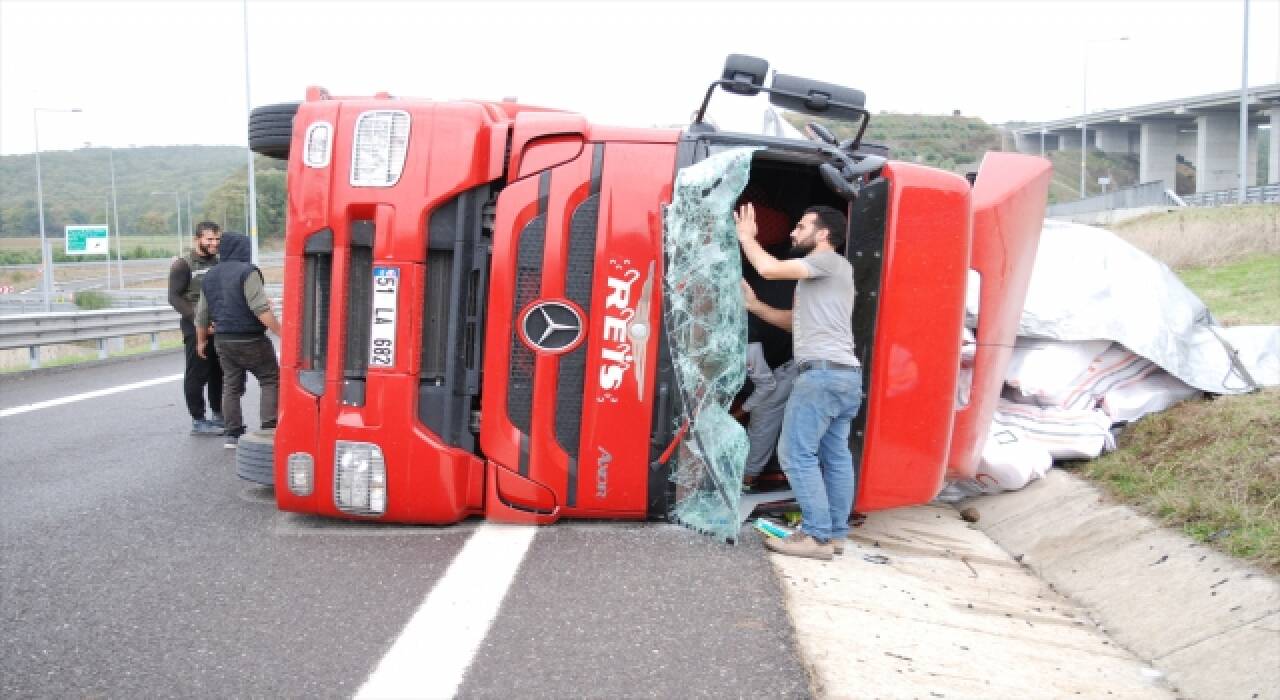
x: 1114, y: 139
x: 1069, y: 139
x: 1273, y: 156
x: 1158, y: 153
x: 1217, y: 144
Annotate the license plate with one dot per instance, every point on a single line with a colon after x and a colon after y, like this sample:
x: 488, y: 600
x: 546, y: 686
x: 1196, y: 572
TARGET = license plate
x: 382, y: 331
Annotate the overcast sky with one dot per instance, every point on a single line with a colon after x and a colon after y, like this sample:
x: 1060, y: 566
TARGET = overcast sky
x: 154, y: 73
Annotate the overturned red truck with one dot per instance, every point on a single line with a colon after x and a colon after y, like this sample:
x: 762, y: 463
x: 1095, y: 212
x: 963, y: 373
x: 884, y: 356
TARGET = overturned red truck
x: 473, y: 304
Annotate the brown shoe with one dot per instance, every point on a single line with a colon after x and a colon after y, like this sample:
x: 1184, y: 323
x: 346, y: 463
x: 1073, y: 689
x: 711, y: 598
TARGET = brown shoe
x: 798, y: 544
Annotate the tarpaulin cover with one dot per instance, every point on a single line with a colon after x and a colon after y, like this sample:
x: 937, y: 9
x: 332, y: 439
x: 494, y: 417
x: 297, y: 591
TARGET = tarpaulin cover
x: 706, y: 323
x: 1089, y: 284
x: 1107, y: 335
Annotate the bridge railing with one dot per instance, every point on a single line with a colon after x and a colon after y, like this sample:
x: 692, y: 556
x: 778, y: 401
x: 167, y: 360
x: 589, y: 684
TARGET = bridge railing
x: 1252, y: 195
x: 1147, y: 194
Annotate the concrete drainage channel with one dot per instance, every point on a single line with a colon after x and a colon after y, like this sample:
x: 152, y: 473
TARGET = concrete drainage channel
x: 1052, y: 593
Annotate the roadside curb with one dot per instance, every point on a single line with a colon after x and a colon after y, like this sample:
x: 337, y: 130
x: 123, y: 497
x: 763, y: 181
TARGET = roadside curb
x: 1209, y: 622
x: 922, y: 605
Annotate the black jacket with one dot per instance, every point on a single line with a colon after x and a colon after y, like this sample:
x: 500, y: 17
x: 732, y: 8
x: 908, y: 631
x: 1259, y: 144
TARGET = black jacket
x: 223, y: 289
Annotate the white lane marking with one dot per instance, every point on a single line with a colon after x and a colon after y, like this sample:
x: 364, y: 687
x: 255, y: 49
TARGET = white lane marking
x: 435, y: 648
x: 27, y: 408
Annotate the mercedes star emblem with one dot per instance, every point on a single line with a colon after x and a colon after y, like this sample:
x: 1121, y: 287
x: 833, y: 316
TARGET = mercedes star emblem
x: 551, y: 326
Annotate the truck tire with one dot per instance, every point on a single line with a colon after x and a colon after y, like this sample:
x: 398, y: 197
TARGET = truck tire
x: 271, y: 129
x: 255, y: 457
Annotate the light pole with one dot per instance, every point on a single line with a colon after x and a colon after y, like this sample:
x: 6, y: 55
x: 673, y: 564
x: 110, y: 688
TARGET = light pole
x: 115, y: 208
x: 46, y: 264
x: 1243, y: 158
x: 252, y: 219
x: 178, y: 202
x: 1084, y: 113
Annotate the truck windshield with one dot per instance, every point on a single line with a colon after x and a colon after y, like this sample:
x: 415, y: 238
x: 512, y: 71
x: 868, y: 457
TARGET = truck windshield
x: 706, y: 323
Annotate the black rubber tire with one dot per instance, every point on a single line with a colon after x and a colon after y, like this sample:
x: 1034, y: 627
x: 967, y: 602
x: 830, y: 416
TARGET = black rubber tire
x: 255, y: 457
x: 271, y: 129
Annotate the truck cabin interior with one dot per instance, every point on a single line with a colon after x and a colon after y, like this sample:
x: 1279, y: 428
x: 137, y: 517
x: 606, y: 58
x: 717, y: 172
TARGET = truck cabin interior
x: 782, y: 185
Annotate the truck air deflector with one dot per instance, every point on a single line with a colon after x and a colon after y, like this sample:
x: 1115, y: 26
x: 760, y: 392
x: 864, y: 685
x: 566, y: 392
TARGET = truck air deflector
x: 317, y: 293
x: 579, y: 277
x: 528, y: 287
x: 355, y: 353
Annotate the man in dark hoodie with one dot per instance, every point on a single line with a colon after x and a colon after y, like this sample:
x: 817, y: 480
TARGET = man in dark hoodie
x: 236, y: 303
x: 185, y: 276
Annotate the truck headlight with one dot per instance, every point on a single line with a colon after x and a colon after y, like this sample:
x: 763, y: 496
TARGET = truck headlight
x: 302, y: 471
x: 318, y: 146
x: 359, y: 478
x: 379, y: 149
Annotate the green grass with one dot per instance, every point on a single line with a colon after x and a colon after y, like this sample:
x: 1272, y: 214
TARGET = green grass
x: 1247, y: 292
x: 1209, y: 467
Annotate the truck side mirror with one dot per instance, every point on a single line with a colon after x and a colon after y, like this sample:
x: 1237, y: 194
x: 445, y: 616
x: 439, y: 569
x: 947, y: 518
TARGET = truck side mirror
x: 744, y: 73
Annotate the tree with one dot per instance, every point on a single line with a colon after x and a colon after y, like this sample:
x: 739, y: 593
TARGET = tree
x: 154, y: 224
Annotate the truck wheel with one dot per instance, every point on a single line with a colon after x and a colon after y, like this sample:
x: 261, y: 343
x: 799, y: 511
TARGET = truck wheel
x: 271, y: 129
x: 255, y: 455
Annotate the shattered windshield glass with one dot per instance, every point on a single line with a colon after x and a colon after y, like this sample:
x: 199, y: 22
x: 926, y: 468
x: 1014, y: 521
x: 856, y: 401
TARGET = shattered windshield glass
x: 707, y: 331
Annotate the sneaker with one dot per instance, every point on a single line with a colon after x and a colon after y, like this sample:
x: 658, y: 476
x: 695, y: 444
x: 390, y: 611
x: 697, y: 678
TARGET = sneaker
x: 201, y: 426
x: 217, y: 420
x: 231, y: 442
x: 837, y: 546
x: 798, y: 544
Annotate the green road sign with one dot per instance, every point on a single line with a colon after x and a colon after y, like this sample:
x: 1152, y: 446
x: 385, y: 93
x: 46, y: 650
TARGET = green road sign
x: 87, y: 240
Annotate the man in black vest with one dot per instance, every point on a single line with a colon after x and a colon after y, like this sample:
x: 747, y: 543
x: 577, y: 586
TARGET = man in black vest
x: 237, y: 305
x: 185, y: 276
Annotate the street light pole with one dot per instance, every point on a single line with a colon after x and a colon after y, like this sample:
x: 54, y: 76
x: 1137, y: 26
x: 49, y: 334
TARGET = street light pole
x: 1084, y: 114
x: 115, y: 208
x: 1243, y: 159
x: 46, y: 262
x: 252, y: 222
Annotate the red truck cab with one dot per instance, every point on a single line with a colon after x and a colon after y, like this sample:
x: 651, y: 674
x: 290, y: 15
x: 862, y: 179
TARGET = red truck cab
x: 473, y: 302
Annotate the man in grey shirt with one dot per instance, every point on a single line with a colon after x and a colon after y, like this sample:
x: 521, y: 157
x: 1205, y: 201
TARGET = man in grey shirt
x: 814, y: 448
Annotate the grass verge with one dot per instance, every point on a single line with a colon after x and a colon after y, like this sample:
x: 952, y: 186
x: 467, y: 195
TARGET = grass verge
x: 1210, y: 467
x: 1245, y: 292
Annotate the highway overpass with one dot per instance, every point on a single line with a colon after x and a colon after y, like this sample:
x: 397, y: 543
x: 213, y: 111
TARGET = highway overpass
x: 1203, y: 130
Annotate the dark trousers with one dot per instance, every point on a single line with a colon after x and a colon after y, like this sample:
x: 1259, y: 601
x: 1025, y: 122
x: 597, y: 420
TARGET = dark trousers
x: 201, y: 372
x: 258, y: 357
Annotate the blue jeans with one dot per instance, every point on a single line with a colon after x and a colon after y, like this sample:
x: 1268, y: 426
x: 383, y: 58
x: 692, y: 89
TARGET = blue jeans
x: 814, y: 449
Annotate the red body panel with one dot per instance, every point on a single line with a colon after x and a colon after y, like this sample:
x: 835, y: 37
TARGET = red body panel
x: 1008, y: 213
x: 916, y: 351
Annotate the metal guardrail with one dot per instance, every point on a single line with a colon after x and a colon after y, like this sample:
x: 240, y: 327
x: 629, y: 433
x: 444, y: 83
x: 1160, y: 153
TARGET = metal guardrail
x: 1259, y: 194
x: 1148, y: 194
x: 34, y: 330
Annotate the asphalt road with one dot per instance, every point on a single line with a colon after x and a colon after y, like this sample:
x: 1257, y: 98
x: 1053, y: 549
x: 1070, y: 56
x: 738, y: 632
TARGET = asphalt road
x: 136, y: 564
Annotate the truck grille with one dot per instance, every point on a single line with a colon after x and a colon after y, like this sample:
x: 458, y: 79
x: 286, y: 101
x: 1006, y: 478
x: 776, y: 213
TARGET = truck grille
x: 458, y: 238
x: 579, y: 277
x: 317, y: 291
x: 355, y: 354
x: 528, y: 285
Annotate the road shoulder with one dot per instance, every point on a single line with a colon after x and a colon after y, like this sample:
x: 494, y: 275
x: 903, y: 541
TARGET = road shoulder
x: 923, y: 605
